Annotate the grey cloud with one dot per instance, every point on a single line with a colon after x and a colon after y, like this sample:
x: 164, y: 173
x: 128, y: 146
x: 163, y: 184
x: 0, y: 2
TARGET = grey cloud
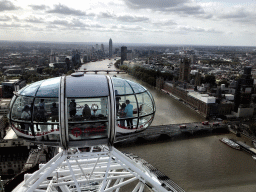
x: 38, y: 29
x: 97, y: 26
x: 51, y: 26
x: 5, y: 18
x: 131, y: 28
x: 181, y: 7
x: 105, y: 15
x: 123, y: 18
x: 60, y: 22
x: 9, y: 25
x: 34, y: 20
x: 188, y: 10
x: 186, y: 29
x: 14, y: 25
x: 127, y: 18
x: 165, y: 23
x: 65, y: 25
x: 75, y: 23
x: 239, y: 15
x: 153, y: 4
x: 9, y: 18
x: 15, y: 18
x: 62, y: 9
x: 6, y: 5
x: 38, y: 7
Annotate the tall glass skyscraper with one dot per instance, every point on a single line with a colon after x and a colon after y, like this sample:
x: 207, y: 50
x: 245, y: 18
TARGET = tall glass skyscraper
x: 110, y: 48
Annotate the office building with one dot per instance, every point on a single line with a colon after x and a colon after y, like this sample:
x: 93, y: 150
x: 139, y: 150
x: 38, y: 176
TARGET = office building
x: 123, y: 54
x: 110, y: 48
x: 102, y: 48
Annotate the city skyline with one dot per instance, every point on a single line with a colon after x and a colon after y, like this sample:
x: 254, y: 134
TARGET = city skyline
x: 179, y: 22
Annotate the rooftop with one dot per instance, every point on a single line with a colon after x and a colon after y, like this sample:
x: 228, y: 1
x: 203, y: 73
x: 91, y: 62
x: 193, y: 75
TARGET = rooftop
x: 202, y: 97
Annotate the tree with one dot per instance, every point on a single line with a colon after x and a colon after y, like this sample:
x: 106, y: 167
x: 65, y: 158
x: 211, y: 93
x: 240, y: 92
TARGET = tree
x: 123, y: 67
x: 70, y: 72
x: 117, y: 63
x: 223, y: 82
x: 48, y: 70
x: 210, y: 79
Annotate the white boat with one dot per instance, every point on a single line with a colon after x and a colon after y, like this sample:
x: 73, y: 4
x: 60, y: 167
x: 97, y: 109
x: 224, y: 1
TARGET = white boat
x: 254, y: 157
x: 254, y: 143
x: 230, y: 143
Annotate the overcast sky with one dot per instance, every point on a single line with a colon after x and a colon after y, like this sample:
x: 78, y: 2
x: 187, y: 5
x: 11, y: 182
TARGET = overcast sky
x: 195, y: 22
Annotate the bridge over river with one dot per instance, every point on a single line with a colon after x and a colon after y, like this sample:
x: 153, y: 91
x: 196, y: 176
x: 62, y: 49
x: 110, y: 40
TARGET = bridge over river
x: 171, y: 130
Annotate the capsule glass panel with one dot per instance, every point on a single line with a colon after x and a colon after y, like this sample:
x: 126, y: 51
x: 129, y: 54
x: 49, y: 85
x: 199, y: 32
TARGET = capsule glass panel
x: 145, y: 104
x: 87, y: 118
x: 46, y: 116
x: 21, y: 106
x: 136, y: 87
x: 145, y: 121
x: 49, y: 88
x: 122, y: 87
x: 30, y: 90
x: 21, y: 114
x: 135, y: 108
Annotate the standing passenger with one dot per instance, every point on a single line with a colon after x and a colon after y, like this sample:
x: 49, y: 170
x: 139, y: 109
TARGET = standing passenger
x: 26, y: 116
x: 72, y: 108
x: 42, y: 118
x: 117, y: 101
x: 86, y: 112
x: 122, y: 115
x: 129, y: 113
x: 41, y: 103
x: 55, y: 113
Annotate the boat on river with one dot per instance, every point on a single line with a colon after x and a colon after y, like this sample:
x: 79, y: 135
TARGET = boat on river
x: 254, y: 143
x: 230, y: 143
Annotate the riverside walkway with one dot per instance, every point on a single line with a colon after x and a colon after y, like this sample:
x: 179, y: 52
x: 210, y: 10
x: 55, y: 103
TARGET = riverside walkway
x: 171, y: 130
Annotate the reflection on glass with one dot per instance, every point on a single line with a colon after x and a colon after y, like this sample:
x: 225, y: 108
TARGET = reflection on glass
x: 21, y: 106
x: 127, y: 123
x: 136, y: 87
x: 84, y: 131
x: 49, y: 88
x: 144, y: 122
x: 30, y: 90
x: 122, y: 86
x: 145, y: 104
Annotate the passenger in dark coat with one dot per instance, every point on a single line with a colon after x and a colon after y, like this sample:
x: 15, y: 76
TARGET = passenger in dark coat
x: 54, y: 113
x: 86, y: 112
x: 72, y: 108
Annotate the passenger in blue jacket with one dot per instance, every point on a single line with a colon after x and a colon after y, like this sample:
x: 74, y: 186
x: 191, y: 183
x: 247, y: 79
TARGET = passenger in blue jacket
x: 129, y: 113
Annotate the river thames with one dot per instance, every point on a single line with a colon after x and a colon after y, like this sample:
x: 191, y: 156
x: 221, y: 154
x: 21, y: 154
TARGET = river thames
x: 200, y: 163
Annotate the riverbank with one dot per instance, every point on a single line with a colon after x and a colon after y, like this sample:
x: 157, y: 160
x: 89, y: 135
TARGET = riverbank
x: 183, y: 102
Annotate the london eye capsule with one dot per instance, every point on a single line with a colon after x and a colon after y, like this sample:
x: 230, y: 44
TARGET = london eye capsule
x: 80, y: 110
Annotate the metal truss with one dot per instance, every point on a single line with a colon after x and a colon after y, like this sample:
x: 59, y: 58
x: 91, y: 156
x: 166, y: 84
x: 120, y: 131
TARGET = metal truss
x: 100, y: 169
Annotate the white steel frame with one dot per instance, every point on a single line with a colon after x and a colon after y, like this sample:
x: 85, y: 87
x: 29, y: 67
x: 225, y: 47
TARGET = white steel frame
x: 108, y: 170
